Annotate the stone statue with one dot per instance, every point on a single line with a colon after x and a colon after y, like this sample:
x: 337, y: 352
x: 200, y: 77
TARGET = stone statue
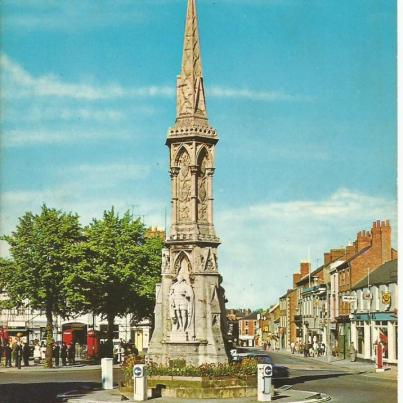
x: 165, y: 260
x: 181, y: 300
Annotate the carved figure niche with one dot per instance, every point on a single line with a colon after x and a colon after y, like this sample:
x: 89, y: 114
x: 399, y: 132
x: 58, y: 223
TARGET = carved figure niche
x: 184, y: 187
x: 202, y: 205
x: 181, y: 298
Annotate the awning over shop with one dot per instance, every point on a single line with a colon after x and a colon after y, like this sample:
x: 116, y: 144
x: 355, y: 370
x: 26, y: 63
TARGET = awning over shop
x: 381, y: 316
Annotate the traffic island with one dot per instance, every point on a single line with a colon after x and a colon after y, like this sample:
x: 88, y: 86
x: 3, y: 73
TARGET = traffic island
x: 197, y: 387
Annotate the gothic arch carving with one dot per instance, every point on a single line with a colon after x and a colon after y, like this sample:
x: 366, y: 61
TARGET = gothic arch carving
x: 202, y: 186
x: 182, y: 261
x: 204, y: 152
x: 183, y: 148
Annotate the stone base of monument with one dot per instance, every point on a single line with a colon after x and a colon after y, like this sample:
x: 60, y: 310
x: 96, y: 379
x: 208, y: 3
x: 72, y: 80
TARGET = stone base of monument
x: 192, y: 352
x: 188, y: 387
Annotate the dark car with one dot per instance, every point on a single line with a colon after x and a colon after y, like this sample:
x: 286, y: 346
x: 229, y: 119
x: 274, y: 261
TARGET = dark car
x: 262, y: 358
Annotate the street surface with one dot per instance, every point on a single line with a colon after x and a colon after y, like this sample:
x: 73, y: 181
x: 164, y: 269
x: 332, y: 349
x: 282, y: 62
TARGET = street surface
x: 339, y: 384
x: 42, y: 386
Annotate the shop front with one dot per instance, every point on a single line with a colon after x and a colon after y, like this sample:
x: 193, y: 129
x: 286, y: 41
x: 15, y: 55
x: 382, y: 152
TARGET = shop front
x: 370, y: 329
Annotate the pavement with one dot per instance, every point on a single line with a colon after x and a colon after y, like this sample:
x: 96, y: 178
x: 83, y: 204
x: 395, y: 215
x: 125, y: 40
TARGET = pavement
x: 67, y: 368
x: 286, y: 396
x: 360, y: 366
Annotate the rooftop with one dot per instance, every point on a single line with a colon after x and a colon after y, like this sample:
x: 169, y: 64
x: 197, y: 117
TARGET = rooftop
x: 385, y: 274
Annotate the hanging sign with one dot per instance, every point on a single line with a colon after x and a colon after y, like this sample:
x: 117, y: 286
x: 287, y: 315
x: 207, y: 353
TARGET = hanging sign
x: 367, y: 295
x: 386, y: 297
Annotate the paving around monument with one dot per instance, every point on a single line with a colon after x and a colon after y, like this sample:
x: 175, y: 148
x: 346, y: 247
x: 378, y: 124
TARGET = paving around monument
x: 190, y: 356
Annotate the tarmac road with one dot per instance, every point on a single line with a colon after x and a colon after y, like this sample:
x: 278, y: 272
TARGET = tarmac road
x: 342, y: 386
x: 32, y: 386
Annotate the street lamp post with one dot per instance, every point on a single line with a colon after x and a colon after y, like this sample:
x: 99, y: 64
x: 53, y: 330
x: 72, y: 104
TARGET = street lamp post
x: 328, y: 351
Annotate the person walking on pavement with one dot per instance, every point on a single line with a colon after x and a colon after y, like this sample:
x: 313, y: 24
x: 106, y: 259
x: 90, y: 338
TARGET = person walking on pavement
x: 56, y: 353
x: 37, y: 354
x: 8, y: 355
x: 292, y: 348
x: 63, y: 354
x: 17, y: 348
x: 70, y: 354
x: 25, y: 354
x: 353, y: 352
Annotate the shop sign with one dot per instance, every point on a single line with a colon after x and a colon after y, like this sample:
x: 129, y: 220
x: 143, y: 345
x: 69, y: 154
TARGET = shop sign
x: 367, y: 295
x: 349, y: 298
x: 386, y: 298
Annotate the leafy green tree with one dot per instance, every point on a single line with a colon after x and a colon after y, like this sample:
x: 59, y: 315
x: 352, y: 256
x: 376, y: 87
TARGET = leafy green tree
x: 118, y: 268
x: 41, y: 256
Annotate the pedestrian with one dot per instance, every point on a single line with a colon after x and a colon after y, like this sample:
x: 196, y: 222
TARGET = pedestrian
x: 70, y: 354
x: 17, y: 349
x: 315, y: 349
x: 269, y: 345
x: 8, y: 354
x: 77, y: 350
x: 292, y: 348
x: 25, y: 354
x: 353, y: 352
x: 37, y: 354
x: 43, y: 352
x: 63, y: 354
x: 56, y: 353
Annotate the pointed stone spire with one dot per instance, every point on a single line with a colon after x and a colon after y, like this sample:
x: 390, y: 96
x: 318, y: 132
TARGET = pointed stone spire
x: 190, y: 100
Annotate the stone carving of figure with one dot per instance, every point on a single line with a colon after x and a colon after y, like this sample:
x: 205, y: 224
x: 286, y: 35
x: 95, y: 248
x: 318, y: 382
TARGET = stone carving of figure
x: 184, y: 187
x: 165, y: 260
x: 203, y: 200
x: 181, y: 300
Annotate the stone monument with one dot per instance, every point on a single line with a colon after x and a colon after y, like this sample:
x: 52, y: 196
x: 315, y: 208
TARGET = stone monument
x: 190, y: 302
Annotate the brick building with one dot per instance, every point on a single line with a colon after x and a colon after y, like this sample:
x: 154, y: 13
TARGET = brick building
x: 370, y: 250
x: 374, y: 313
x: 248, y: 329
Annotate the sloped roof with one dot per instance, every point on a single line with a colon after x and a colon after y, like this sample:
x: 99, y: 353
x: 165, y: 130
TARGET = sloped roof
x: 306, y: 277
x: 252, y: 316
x: 384, y: 274
x: 359, y: 253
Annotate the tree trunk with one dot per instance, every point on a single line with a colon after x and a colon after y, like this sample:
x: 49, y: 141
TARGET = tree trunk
x: 109, y: 349
x: 49, y: 339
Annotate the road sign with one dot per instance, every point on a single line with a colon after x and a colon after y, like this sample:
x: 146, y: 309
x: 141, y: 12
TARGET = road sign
x: 138, y: 371
x: 268, y: 370
x: 349, y: 298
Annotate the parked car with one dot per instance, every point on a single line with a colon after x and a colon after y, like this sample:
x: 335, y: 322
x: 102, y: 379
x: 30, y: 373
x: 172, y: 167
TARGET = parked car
x: 262, y: 358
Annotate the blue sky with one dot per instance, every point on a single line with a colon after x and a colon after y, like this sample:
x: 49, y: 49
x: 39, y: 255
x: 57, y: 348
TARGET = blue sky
x: 302, y: 93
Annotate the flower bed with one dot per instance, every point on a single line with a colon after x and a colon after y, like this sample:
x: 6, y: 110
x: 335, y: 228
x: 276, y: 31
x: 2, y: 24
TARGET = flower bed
x: 203, y: 381
x: 246, y: 367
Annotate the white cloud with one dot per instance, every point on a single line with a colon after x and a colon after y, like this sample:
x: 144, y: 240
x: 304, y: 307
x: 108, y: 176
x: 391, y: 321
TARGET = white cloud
x: 18, y: 83
x: 108, y: 174
x: 69, y: 16
x: 17, y: 138
x: 264, y: 243
x: 248, y: 94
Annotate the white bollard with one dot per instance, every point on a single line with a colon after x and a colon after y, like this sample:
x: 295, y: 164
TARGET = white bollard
x: 107, y: 373
x: 264, y: 388
x: 139, y: 382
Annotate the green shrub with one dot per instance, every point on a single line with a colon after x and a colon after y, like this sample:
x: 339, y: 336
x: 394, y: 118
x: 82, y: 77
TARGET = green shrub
x: 246, y: 367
